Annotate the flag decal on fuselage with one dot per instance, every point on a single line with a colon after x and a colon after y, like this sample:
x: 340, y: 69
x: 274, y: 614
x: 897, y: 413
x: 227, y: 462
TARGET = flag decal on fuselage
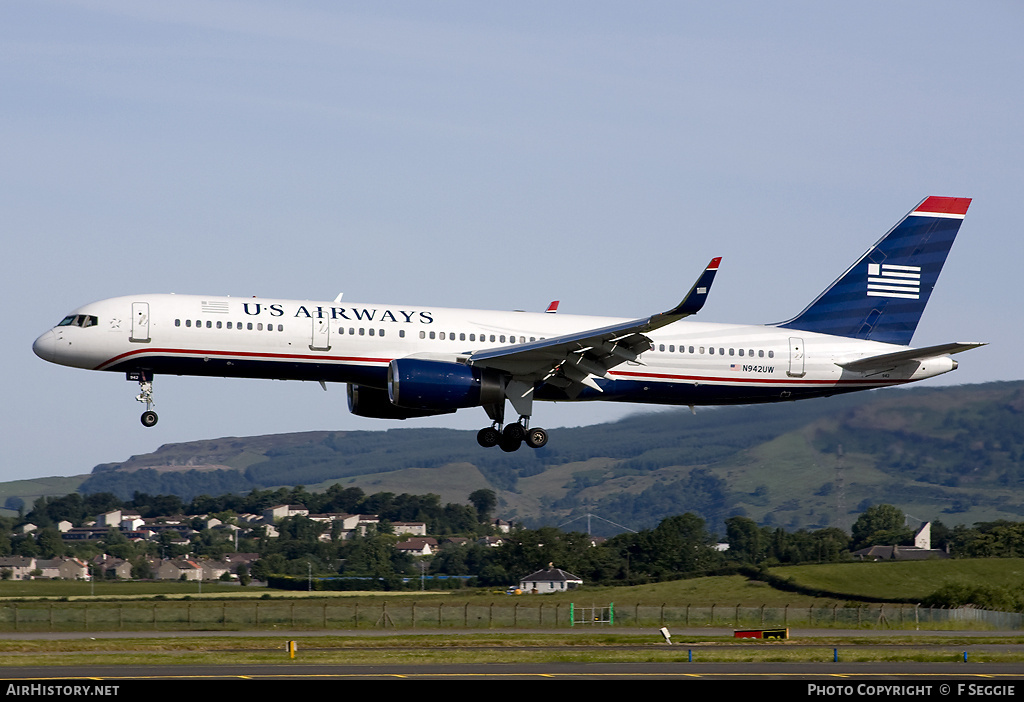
x: 890, y: 280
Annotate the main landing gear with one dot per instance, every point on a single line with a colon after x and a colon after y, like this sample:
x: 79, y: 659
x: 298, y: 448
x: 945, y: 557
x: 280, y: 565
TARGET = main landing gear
x: 145, y: 395
x: 512, y: 436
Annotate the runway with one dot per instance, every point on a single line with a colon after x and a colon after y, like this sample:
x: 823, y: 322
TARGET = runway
x: 842, y: 673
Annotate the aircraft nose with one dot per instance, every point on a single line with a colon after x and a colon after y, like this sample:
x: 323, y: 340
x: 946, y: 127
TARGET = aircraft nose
x: 46, y: 346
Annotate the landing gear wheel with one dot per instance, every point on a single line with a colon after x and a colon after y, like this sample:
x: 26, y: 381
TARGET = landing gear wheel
x: 536, y: 438
x: 149, y: 418
x: 513, y: 432
x: 488, y: 437
x: 509, y: 445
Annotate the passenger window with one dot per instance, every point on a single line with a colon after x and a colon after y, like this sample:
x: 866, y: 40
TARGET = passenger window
x: 219, y: 324
x: 177, y: 322
x: 712, y: 350
x: 188, y: 323
x: 248, y: 326
x: 771, y: 354
x: 401, y: 333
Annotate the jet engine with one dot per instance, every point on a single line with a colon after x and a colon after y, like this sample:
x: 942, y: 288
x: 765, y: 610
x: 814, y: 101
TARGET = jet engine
x: 441, y: 385
x: 364, y: 401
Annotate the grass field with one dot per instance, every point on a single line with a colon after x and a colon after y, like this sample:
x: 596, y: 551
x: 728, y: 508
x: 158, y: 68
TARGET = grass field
x: 500, y: 648
x: 901, y: 580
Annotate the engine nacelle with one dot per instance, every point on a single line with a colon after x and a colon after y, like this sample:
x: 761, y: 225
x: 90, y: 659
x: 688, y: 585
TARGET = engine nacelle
x: 365, y: 401
x: 441, y: 385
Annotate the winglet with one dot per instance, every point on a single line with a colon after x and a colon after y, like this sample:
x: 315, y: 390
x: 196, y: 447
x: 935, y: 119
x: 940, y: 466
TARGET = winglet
x: 553, y: 307
x: 694, y: 299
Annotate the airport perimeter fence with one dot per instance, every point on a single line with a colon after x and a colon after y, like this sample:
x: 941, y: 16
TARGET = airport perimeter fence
x: 313, y: 615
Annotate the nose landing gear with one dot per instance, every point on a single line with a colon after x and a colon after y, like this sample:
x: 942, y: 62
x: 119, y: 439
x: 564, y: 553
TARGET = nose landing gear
x: 145, y: 379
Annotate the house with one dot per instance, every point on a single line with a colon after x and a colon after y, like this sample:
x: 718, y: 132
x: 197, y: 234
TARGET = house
x: 279, y: 512
x: 419, y: 546
x: 549, y: 580
x: 921, y: 550
x: 411, y: 528
x: 20, y: 567
x: 106, y: 566
x: 214, y: 570
x: 179, y: 569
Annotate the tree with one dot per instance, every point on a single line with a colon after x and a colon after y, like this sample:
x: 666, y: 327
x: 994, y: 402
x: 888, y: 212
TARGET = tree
x: 484, y: 501
x: 746, y: 540
x: 880, y: 525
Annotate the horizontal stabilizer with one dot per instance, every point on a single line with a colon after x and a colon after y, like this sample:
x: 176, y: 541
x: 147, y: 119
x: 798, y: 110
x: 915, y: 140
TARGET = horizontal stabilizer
x: 888, y: 360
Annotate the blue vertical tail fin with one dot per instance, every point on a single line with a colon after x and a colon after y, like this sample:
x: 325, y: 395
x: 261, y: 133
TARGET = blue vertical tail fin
x: 881, y: 297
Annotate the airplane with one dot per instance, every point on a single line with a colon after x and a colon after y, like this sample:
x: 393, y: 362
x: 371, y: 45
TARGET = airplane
x: 404, y: 361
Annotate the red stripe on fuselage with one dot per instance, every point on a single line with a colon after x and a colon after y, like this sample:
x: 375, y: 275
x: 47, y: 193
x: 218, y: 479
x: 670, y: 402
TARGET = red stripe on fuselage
x: 240, y: 354
x: 749, y: 381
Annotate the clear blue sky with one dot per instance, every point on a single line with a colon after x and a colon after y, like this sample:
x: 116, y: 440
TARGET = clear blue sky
x: 480, y: 155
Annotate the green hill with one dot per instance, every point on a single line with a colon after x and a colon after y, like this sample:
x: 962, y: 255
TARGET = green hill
x: 950, y: 453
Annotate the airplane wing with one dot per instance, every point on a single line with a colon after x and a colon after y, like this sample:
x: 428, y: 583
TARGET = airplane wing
x: 888, y: 360
x: 573, y: 360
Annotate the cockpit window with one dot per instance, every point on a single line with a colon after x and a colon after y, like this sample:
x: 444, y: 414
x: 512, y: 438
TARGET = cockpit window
x: 79, y: 320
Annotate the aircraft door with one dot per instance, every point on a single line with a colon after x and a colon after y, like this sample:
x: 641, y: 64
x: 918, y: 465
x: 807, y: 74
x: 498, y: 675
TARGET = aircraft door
x: 140, y: 323
x: 321, y: 340
x: 796, y: 357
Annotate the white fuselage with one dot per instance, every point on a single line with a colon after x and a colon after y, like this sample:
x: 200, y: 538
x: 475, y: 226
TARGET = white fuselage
x: 691, y: 363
